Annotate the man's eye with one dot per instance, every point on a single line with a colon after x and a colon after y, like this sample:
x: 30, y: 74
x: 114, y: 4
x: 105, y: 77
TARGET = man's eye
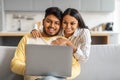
x: 57, y: 23
x: 48, y: 21
x: 72, y: 23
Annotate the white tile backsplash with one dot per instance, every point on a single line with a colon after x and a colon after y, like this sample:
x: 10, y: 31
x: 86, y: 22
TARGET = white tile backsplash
x: 26, y: 23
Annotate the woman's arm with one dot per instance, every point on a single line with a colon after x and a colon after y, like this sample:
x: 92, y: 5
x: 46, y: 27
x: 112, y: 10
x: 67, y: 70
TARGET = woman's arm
x: 36, y: 33
x: 36, y: 30
x: 84, y: 45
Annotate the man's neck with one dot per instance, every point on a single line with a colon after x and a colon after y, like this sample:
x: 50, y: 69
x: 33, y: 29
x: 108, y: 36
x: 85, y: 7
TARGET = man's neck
x: 45, y: 35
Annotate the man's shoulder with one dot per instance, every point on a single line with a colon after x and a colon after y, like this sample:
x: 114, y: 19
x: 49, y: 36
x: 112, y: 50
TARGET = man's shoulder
x: 27, y: 35
x: 58, y: 37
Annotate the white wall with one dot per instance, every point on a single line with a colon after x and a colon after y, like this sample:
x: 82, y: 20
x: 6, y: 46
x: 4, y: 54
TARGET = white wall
x: 93, y: 19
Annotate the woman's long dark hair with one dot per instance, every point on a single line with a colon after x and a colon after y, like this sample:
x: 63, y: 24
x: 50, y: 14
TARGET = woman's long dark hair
x: 74, y: 13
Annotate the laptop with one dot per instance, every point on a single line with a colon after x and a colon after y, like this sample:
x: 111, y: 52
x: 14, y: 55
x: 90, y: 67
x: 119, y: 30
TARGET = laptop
x: 48, y: 60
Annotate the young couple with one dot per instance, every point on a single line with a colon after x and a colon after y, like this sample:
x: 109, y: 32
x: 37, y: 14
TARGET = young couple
x: 59, y: 28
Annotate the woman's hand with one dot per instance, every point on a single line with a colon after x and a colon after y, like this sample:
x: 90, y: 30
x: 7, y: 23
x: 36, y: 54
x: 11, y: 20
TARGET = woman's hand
x: 36, y: 33
x: 63, y: 41
x: 59, y: 41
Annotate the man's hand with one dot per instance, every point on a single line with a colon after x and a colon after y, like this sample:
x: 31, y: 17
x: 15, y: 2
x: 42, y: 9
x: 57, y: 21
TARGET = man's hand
x: 36, y: 33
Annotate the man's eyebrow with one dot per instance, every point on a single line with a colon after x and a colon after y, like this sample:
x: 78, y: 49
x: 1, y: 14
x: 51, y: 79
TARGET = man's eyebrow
x: 52, y: 20
x: 48, y: 19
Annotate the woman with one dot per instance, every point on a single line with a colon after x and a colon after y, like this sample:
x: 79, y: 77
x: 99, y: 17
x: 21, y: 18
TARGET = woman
x: 77, y: 34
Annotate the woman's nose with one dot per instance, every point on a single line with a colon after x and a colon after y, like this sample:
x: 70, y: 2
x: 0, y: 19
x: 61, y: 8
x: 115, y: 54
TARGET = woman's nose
x: 68, y: 26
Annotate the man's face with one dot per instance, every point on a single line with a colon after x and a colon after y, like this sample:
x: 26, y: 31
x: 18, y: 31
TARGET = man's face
x: 51, y: 25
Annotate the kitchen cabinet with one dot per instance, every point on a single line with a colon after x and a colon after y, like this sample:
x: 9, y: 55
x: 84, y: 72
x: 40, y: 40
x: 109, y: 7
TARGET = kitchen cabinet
x: 107, y: 5
x: 97, y: 5
x: 1, y: 15
x: 63, y: 4
x: 41, y: 5
x: 114, y: 38
x: 13, y: 38
x: 27, y: 5
x: 18, y: 5
x: 105, y: 37
x: 100, y: 38
x: 90, y: 5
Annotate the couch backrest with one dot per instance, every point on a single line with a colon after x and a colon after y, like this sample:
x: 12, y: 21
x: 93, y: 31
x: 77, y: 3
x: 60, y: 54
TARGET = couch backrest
x: 6, y: 54
x: 103, y: 64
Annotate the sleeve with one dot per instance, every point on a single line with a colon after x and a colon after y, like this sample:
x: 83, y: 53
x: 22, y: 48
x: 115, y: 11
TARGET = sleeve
x: 83, y: 49
x: 35, y: 27
x: 18, y: 61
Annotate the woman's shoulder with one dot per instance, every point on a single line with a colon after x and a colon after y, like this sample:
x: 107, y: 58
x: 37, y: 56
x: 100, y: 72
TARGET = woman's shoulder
x: 81, y: 31
x: 84, y: 30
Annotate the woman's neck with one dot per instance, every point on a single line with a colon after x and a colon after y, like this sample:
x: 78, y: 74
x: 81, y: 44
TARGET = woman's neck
x: 67, y: 35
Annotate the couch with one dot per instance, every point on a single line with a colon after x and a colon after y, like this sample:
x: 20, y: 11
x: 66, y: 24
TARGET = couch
x: 103, y: 64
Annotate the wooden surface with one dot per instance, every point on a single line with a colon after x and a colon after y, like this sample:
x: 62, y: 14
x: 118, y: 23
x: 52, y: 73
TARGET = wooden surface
x: 97, y: 37
x: 13, y: 33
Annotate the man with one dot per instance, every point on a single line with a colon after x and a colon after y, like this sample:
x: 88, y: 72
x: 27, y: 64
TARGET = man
x: 51, y: 27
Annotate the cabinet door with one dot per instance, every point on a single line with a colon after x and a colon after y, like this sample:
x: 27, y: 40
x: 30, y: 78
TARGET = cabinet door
x: 18, y: 5
x: 41, y: 5
x: 107, y: 5
x: 0, y: 21
x: 1, y: 16
x: 90, y: 5
x: 64, y: 4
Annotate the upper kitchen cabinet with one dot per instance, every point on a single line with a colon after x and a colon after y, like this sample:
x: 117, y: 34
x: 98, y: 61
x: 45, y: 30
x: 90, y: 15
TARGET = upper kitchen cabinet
x: 90, y: 5
x: 97, y: 5
x: 18, y: 5
x: 27, y: 5
x: 107, y: 5
x: 63, y: 4
x: 41, y: 5
x: 1, y: 15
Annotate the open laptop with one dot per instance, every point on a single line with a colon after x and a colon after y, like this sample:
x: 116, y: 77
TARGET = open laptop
x: 48, y: 60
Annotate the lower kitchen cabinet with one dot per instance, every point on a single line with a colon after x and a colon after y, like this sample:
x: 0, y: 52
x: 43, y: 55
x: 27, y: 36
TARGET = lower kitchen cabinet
x: 98, y: 38
x: 10, y: 40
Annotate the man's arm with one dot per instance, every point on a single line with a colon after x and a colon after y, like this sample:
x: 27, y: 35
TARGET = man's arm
x: 18, y: 61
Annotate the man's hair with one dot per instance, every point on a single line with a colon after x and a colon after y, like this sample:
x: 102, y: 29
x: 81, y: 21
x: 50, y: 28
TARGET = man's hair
x: 54, y: 11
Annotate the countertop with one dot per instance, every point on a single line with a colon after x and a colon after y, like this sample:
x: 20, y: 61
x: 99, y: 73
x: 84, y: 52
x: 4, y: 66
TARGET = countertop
x: 13, y: 33
x: 103, y: 33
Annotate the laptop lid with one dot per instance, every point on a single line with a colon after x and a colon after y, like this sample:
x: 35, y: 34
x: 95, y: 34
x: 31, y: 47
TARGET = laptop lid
x: 42, y: 60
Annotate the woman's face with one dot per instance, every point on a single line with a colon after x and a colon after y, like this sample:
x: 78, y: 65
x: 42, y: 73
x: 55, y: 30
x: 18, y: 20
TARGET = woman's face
x: 69, y: 25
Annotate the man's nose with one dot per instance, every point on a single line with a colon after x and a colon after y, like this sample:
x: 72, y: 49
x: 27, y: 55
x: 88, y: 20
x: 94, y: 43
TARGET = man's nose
x: 52, y: 25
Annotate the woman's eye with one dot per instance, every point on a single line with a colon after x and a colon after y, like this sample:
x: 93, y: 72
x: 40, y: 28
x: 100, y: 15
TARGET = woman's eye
x: 65, y: 22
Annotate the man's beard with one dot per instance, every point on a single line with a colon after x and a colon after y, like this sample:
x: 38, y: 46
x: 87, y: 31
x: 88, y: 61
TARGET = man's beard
x: 50, y: 35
